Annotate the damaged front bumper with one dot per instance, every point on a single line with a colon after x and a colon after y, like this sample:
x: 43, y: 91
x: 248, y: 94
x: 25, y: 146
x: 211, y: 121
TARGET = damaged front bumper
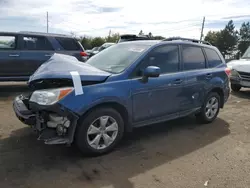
x: 243, y: 82
x: 54, y: 124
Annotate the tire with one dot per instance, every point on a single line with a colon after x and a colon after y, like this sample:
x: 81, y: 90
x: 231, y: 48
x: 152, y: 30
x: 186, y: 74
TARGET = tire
x: 235, y: 87
x: 84, y: 138
x: 202, y: 116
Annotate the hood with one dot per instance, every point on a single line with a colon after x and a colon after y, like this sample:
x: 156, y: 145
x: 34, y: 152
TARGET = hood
x: 59, y: 66
x: 234, y: 64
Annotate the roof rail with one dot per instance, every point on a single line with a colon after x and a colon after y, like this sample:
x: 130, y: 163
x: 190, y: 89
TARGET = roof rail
x: 41, y: 33
x: 187, y: 39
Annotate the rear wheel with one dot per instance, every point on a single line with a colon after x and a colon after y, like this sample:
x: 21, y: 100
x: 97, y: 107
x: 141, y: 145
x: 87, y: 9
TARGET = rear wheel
x: 100, y: 131
x: 235, y: 87
x: 210, y: 108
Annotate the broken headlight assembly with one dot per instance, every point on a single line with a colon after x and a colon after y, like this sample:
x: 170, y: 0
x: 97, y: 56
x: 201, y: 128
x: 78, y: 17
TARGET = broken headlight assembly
x: 234, y: 73
x: 49, y: 96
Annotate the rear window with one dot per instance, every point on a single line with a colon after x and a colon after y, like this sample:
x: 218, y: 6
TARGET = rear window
x: 117, y: 58
x: 213, y: 58
x: 69, y: 43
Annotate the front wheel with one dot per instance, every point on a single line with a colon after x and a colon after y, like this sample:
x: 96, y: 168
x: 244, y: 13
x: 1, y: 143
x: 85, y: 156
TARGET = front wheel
x: 100, y: 131
x: 235, y: 87
x: 210, y: 108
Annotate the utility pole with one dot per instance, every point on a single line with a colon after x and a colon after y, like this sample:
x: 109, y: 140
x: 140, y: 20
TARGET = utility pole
x: 202, y: 27
x: 109, y: 33
x: 47, y: 22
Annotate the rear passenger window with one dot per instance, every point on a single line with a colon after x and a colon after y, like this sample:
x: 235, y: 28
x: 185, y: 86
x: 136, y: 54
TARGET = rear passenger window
x: 36, y: 43
x: 213, y: 58
x: 7, y: 42
x: 68, y: 43
x: 193, y: 58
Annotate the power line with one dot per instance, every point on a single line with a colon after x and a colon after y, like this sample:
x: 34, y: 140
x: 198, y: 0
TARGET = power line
x: 202, y: 27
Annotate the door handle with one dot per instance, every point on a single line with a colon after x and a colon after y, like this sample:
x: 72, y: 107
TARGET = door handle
x: 13, y: 55
x: 177, y: 81
x: 209, y: 76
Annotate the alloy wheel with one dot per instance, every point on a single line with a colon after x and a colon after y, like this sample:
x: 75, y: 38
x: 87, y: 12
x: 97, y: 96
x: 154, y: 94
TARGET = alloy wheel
x: 102, y: 132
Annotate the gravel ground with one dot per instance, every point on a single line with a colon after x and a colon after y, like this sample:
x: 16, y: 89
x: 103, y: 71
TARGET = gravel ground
x: 175, y: 154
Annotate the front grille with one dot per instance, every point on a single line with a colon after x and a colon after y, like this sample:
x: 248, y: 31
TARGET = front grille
x: 244, y: 75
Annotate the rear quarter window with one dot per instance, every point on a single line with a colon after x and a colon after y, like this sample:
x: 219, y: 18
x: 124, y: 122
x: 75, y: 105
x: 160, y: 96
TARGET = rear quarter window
x: 69, y: 44
x: 213, y: 58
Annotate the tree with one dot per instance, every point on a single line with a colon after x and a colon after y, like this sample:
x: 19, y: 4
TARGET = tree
x: 86, y: 42
x: 113, y: 38
x: 97, y: 41
x: 212, y: 37
x: 89, y: 42
x: 244, y: 37
x: 229, y: 38
x: 225, y: 40
x: 141, y: 33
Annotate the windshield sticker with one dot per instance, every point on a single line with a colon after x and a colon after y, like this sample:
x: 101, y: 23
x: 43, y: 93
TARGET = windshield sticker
x: 77, y: 82
x: 136, y: 49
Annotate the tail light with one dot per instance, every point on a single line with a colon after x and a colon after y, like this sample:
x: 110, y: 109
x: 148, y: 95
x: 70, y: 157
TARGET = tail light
x: 228, y: 71
x: 83, y: 54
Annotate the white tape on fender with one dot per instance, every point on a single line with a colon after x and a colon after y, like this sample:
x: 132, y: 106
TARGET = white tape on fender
x: 77, y: 82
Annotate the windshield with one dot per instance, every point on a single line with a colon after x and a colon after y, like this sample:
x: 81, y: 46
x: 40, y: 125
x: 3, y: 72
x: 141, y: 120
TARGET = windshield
x: 246, y: 54
x: 117, y: 58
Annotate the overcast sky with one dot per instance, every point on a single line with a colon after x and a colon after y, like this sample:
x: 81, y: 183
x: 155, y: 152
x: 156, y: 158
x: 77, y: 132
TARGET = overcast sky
x: 97, y: 17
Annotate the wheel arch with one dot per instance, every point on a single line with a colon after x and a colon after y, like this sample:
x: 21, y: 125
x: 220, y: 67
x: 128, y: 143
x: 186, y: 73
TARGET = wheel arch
x: 120, y: 108
x: 220, y: 93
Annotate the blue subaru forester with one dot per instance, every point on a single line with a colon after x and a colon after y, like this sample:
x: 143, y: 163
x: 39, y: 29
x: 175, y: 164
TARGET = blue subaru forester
x: 128, y: 85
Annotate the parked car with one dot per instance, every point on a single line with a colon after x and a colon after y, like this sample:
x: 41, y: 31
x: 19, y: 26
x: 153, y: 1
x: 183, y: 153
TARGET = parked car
x: 240, y: 72
x: 92, y: 50
x: 21, y: 53
x: 101, y: 48
x: 128, y: 85
x: 131, y: 37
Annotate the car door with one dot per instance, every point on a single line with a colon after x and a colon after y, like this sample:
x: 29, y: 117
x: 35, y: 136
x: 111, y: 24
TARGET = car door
x: 35, y: 51
x: 9, y: 55
x: 194, y: 87
x: 215, y: 65
x: 158, y: 97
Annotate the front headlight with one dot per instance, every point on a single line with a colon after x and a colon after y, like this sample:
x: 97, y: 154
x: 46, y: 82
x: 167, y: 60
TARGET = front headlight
x: 49, y: 96
x: 234, y: 73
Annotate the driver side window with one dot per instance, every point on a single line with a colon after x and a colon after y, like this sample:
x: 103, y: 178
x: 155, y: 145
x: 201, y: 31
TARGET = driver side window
x: 165, y: 57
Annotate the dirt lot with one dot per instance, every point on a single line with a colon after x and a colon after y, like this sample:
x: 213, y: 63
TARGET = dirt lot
x: 174, y: 154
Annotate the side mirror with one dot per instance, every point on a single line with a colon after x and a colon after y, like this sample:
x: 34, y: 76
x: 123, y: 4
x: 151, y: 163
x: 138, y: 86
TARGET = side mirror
x: 151, y: 71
